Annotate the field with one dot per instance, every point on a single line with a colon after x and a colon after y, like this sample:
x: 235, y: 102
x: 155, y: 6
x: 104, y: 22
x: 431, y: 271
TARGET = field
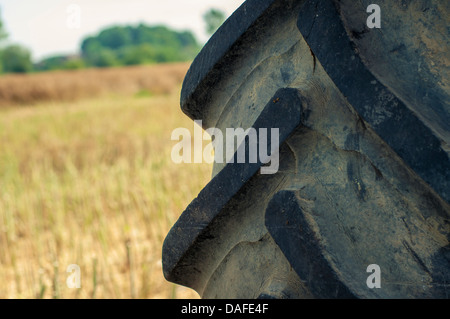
x: 86, y: 178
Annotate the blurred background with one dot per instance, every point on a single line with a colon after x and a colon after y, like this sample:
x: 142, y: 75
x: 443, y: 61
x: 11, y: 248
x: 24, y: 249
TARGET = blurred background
x: 89, y: 96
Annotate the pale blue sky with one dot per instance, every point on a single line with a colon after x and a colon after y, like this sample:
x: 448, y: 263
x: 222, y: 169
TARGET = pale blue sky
x: 42, y: 25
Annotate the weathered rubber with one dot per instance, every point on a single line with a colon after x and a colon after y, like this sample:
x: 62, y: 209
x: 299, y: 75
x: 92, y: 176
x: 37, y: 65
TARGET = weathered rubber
x: 363, y: 179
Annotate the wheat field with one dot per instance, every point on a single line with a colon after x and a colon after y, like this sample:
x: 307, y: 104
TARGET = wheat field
x: 86, y: 178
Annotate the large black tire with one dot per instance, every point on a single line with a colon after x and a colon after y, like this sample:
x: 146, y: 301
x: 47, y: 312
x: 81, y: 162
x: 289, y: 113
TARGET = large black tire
x: 364, y: 172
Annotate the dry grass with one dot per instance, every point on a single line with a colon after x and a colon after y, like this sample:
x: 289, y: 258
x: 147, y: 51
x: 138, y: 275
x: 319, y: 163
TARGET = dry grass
x: 91, y: 183
x: 73, y: 85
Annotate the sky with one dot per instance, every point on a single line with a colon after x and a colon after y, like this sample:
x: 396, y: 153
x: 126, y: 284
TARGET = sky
x: 52, y: 27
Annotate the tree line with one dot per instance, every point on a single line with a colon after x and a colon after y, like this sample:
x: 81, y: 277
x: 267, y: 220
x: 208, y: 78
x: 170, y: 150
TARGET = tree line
x: 128, y: 45
x: 115, y: 46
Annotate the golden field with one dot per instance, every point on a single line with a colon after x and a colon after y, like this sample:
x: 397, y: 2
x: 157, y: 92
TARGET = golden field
x: 86, y: 178
x: 73, y: 85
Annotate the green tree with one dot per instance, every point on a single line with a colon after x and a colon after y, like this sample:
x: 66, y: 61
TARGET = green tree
x: 90, y: 44
x: 137, y: 45
x: 61, y: 62
x: 74, y: 64
x: 213, y: 19
x: 103, y: 58
x: 51, y: 63
x: 137, y: 54
x: 115, y: 37
x: 16, y: 59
